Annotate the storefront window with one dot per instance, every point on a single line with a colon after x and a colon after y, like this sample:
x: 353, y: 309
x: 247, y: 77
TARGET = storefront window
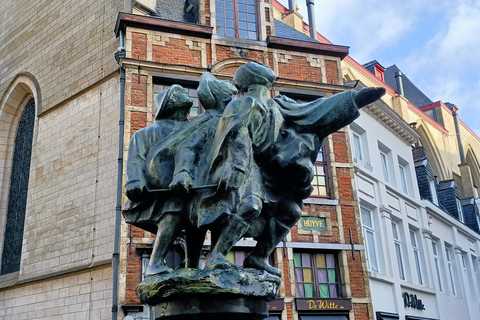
x: 316, y: 275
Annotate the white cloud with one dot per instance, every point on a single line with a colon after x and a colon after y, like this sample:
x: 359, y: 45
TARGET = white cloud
x: 447, y: 67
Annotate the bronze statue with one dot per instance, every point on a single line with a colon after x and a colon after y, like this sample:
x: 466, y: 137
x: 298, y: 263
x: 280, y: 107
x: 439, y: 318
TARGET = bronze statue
x: 240, y: 169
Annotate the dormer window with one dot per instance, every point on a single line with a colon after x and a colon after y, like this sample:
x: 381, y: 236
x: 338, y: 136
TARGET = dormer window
x: 236, y: 18
x: 379, y: 70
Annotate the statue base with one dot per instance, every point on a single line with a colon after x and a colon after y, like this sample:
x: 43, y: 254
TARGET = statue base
x: 191, y: 294
x: 201, y: 307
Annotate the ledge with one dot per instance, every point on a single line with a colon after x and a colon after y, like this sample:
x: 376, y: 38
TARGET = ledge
x: 328, y: 202
x: 153, y: 23
x: 307, y: 46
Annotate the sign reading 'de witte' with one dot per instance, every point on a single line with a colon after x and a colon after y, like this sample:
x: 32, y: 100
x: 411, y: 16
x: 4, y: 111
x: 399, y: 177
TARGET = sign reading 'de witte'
x: 312, y: 223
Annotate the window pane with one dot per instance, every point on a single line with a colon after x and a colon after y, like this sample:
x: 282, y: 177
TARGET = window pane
x: 297, y: 260
x: 298, y: 275
x: 219, y: 14
x: 229, y: 14
x: 300, y: 290
x: 239, y: 257
x: 309, y: 293
x: 229, y: 23
x: 229, y: 5
x: 242, y: 7
x: 332, y: 276
x: 243, y: 34
x: 322, y: 275
x: 324, y: 292
x: 366, y: 218
x: 306, y: 260
x: 242, y: 25
x: 251, y: 2
x: 251, y: 26
x: 219, y: 4
x: 250, y: 9
x: 399, y: 261
x: 320, y: 260
x: 307, y: 275
x: 330, y: 261
x: 371, y: 254
x: 333, y: 291
x: 385, y: 167
x: 251, y: 17
x: 230, y: 32
x: 220, y: 22
x: 231, y: 257
x: 242, y: 16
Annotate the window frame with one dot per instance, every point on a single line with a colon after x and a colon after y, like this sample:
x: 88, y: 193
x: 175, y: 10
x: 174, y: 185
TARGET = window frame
x: 316, y: 281
x: 436, y: 261
x: 450, y: 268
x: 461, y: 216
x: 236, y: 19
x: 18, y: 191
x: 372, y: 259
x: 398, y: 250
x: 321, y: 164
x: 416, y: 255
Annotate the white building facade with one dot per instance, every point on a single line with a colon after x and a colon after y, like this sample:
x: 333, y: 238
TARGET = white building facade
x: 423, y: 262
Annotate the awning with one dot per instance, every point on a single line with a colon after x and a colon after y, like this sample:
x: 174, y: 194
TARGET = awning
x: 387, y: 316
x: 339, y: 317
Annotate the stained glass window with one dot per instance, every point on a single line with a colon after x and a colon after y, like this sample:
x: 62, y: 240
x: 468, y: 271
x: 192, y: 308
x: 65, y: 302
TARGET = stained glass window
x: 17, y: 197
x: 316, y: 275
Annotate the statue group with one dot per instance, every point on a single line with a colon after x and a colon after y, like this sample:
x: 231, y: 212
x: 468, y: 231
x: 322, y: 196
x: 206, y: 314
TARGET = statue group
x: 240, y: 169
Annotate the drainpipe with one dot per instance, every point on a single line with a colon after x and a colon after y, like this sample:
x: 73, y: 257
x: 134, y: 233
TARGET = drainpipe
x: 398, y: 79
x: 291, y: 5
x: 121, y: 53
x: 311, y: 19
x: 459, y: 138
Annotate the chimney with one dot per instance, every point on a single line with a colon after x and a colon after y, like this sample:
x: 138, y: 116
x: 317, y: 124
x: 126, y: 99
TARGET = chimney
x: 398, y: 79
x: 291, y: 5
x: 311, y: 19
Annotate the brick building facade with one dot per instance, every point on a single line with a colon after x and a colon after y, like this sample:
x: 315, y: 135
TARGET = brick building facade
x: 159, y: 52
x: 59, y: 57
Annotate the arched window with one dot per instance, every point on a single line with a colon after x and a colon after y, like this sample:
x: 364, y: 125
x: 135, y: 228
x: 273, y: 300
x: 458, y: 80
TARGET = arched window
x: 17, y: 196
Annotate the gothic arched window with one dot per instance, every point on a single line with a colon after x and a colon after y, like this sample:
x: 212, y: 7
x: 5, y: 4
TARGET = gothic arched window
x: 17, y: 196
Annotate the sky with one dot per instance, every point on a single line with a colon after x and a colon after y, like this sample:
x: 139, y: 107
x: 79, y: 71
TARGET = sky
x: 436, y: 43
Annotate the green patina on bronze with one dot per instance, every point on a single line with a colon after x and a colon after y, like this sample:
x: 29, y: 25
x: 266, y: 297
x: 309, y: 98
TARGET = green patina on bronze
x: 240, y: 169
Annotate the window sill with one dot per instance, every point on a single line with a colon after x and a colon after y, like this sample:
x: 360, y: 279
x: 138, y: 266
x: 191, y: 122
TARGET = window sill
x: 322, y: 201
x: 8, y: 280
x: 232, y: 41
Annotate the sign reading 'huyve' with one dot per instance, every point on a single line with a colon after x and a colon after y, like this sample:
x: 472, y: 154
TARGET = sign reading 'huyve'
x: 311, y: 223
x: 411, y: 301
x: 323, y: 304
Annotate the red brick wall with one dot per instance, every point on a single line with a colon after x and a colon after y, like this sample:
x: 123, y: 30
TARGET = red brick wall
x: 134, y: 267
x: 223, y: 52
x: 139, y: 46
x: 138, y: 97
x: 176, y: 51
x: 331, y: 70
x: 298, y: 68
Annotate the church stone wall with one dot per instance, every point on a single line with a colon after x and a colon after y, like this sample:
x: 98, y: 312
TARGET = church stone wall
x: 66, y: 45
x: 80, y: 296
x: 71, y: 205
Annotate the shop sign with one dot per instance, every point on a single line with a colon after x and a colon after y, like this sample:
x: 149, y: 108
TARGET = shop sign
x: 411, y: 301
x: 276, y: 305
x: 311, y: 223
x: 323, y: 304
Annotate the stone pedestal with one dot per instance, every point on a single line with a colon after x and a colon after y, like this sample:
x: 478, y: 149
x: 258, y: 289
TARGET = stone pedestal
x: 190, y: 294
x: 204, y: 307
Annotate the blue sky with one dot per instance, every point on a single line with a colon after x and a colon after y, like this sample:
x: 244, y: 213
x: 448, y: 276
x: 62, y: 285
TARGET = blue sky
x: 436, y: 43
